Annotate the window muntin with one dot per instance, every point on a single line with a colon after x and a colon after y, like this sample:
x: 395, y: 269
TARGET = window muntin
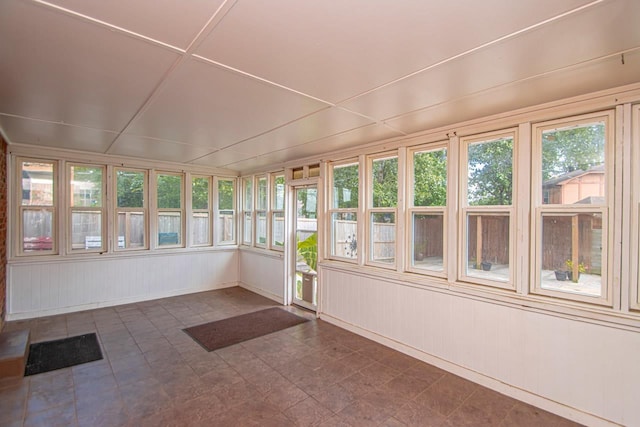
x: 262, y: 206
x: 37, y: 207
x: 383, y: 186
x: 86, y: 208
x: 247, y: 211
x: 486, y: 199
x: 131, y: 209
x: 343, y: 212
x: 427, y: 212
x: 225, y: 230
x: 200, y: 211
x: 570, y: 207
x: 277, y: 211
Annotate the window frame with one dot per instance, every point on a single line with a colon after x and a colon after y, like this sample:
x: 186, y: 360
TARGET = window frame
x: 248, y: 216
x: 274, y: 213
x: 333, y: 210
x: 159, y: 211
x: 466, y: 210
x: 217, y: 212
x: 261, y: 210
x: 538, y: 209
x: 208, y: 210
x: 144, y: 209
x: 71, y: 209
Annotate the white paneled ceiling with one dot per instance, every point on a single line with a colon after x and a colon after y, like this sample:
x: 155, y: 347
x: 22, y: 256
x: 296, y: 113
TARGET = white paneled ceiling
x: 248, y: 85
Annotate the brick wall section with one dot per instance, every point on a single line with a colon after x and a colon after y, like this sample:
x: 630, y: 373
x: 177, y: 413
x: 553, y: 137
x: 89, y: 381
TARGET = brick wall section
x: 3, y: 229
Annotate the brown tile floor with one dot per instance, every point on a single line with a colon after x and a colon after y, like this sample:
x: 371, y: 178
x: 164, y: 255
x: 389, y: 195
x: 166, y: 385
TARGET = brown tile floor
x: 311, y: 374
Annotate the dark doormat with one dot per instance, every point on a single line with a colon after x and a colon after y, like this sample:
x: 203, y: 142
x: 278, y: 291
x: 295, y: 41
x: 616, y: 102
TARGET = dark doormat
x: 222, y: 333
x: 51, y: 355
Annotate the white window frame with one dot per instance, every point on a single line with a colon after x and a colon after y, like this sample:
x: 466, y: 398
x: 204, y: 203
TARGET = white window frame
x: 261, y: 210
x: 247, y: 211
x: 538, y: 210
x: 413, y: 210
x: 126, y: 210
x: 159, y: 211
x: 370, y: 210
x: 493, y: 210
x: 217, y: 211
x: 208, y: 210
x: 274, y: 213
x: 335, y: 210
x: 102, y: 210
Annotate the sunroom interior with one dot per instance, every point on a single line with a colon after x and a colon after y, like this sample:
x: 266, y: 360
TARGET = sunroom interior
x: 455, y: 180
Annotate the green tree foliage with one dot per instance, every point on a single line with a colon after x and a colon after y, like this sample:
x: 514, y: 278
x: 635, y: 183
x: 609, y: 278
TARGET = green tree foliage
x: 130, y: 189
x: 490, y: 172
x: 572, y: 149
x: 345, y: 186
x: 169, y: 191
x: 385, y: 183
x: 225, y: 194
x: 308, y: 250
x: 200, y: 193
x: 91, y: 177
x: 430, y: 178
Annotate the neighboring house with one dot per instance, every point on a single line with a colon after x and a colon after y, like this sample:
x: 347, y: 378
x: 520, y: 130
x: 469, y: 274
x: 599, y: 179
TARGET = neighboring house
x: 579, y: 186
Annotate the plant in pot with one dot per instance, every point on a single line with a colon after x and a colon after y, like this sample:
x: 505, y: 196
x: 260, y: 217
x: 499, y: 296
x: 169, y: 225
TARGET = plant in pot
x: 561, y: 275
x: 486, y: 265
x: 308, y: 250
x: 581, y: 269
x: 419, y: 250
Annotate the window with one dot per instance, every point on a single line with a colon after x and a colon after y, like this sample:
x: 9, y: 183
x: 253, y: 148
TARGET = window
x: 226, y: 214
x: 382, y: 210
x: 200, y: 211
x: 427, y: 209
x: 170, y: 209
x: 37, y: 207
x: 486, y: 200
x: 86, y: 203
x: 131, y: 209
x: 344, y: 210
x: 262, y: 198
x: 571, y: 165
x: 277, y: 211
x: 247, y: 208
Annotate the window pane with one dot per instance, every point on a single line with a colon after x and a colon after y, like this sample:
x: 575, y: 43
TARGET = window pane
x: 131, y: 230
x: 225, y: 231
x: 200, y: 228
x: 428, y: 241
x: 225, y: 194
x: 169, y: 228
x: 384, y: 180
x: 200, y: 193
x: 573, y: 162
x: 488, y: 246
x: 278, y: 193
x: 344, y: 226
x: 572, y: 253
x: 246, y: 232
x: 383, y: 237
x: 37, y: 230
x: 37, y: 184
x: 490, y: 170
x: 261, y: 228
x: 169, y: 192
x: 86, y: 230
x: 263, y: 194
x: 430, y: 178
x: 86, y: 186
x: 248, y: 194
x: 345, y: 186
x: 130, y: 189
x: 277, y: 229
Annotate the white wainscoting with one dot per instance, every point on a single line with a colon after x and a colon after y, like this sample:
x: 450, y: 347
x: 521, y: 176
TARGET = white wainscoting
x: 581, y: 370
x: 262, y: 272
x: 52, y: 287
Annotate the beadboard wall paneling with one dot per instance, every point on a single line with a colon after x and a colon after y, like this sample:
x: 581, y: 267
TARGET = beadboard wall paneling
x: 262, y: 272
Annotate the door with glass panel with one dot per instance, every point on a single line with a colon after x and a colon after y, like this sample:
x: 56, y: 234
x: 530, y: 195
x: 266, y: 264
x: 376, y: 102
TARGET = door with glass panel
x: 305, y: 280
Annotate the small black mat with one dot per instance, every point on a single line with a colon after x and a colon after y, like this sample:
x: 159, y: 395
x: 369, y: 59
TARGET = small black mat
x: 51, y: 355
x: 222, y: 333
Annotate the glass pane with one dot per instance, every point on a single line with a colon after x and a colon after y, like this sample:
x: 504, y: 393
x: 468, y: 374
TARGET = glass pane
x: 169, y: 228
x: 572, y: 253
x: 248, y: 194
x: 314, y: 171
x: 86, y: 186
x: 261, y: 228
x: 428, y: 242
x: 383, y: 237
x: 344, y: 227
x: 37, y: 231
x: 488, y: 246
x: 246, y: 232
x: 490, y: 170
x: 86, y: 230
x: 277, y: 229
x: 263, y: 194
x: 384, y: 179
x: 130, y: 189
x: 430, y: 178
x: 573, y: 162
x: 37, y: 184
x: 307, y: 203
x: 225, y: 194
x: 169, y: 191
x: 200, y: 193
x: 200, y: 228
x: 278, y: 193
x: 131, y: 230
x: 345, y: 186
x: 298, y: 173
x: 225, y: 230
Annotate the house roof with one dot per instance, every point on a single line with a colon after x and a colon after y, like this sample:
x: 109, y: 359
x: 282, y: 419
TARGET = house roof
x: 563, y: 179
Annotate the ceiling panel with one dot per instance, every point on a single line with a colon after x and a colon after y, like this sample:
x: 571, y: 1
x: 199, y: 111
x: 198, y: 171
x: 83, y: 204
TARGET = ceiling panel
x: 592, y: 33
x: 174, y: 22
x: 38, y: 132
x: 62, y: 69
x: 202, y: 104
x: 223, y: 157
x: 336, y: 50
x: 157, y: 149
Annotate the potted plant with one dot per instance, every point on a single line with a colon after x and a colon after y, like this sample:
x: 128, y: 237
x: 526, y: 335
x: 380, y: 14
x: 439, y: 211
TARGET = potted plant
x: 581, y: 269
x: 419, y: 250
x: 308, y: 250
x: 486, y: 265
x: 561, y: 275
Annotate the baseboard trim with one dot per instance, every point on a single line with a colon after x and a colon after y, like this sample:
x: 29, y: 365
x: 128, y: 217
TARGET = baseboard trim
x: 266, y: 294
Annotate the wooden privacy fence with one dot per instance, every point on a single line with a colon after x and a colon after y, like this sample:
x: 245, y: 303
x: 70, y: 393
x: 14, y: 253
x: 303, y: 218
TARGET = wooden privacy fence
x: 383, y: 243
